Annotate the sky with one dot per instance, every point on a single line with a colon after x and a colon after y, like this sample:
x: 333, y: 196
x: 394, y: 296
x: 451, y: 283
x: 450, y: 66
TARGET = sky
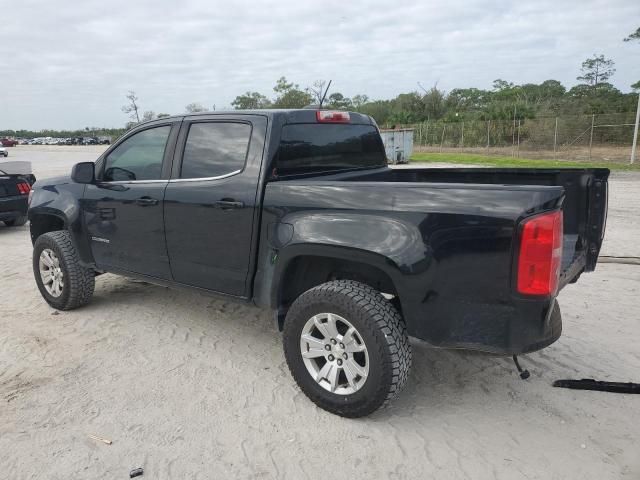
x: 70, y: 64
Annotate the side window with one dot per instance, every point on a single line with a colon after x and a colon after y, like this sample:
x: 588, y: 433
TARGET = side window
x: 215, y: 149
x: 139, y: 157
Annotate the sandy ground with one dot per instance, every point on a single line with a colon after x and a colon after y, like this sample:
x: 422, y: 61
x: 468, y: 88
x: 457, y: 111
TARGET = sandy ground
x: 190, y: 387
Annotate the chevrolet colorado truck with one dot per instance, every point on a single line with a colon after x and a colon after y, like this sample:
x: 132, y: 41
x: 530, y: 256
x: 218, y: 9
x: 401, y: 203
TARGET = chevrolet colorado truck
x: 297, y: 211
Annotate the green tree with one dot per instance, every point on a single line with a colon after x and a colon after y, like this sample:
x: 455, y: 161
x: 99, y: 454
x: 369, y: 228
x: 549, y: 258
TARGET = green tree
x: 597, y: 69
x: 163, y: 115
x: 634, y: 36
x: 359, y: 100
x: 289, y: 95
x: 434, y: 104
x: 338, y: 101
x: 195, y: 108
x: 500, y: 85
x: 148, y: 115
x: 251, y: 101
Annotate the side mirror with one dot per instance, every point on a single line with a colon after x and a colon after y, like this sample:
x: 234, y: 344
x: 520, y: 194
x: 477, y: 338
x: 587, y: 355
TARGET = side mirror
x: 83, y: 172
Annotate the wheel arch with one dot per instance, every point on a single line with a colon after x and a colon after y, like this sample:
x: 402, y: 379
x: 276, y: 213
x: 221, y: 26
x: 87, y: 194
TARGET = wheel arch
x: 300, y: 269
x: 41, y: 223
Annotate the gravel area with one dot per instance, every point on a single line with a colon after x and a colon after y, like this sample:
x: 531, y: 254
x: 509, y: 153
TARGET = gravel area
x: 191, y: 387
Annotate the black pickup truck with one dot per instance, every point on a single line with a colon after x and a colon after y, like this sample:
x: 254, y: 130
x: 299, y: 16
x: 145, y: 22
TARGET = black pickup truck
x: 298, y: 212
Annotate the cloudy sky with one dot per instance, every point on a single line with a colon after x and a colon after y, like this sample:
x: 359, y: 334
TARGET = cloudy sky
x: 69, y: 64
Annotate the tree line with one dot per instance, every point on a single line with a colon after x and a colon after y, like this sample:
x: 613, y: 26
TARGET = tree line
x: 594, y: 94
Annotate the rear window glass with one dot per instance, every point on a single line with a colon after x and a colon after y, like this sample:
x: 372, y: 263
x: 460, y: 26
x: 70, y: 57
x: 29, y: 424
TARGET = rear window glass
x: 321, y: 147
x: 215, y: 149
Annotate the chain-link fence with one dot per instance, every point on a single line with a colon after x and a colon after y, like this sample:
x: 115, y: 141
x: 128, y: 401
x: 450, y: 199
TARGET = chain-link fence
x: 602, y: 138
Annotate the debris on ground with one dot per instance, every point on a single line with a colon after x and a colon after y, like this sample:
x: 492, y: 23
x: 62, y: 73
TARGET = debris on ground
x: 136, y: 472
x: 591, y: 384
x: 100, y: 439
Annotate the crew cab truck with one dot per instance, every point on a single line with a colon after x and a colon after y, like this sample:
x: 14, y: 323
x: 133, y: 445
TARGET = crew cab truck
x: 297, y: 211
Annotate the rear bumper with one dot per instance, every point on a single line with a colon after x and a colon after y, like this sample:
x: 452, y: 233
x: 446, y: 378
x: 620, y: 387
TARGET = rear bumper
x: 513, y: 329
x: 13, y: 207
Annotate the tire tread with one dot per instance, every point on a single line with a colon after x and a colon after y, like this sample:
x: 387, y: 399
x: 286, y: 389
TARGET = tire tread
x: 81, y: 280
x: 383, y: 317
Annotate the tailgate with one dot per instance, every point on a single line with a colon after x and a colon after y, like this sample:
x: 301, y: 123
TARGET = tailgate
x: 585, y: 214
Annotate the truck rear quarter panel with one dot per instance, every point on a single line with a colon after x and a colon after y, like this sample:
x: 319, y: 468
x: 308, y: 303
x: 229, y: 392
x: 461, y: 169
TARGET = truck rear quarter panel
x: 447, y: 248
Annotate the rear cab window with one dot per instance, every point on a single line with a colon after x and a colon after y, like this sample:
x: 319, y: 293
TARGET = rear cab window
x: 215, y: 149
x: 325, y: 147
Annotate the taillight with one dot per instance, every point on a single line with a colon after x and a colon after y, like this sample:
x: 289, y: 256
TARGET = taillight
x: 540, y: 255
x: 24, y: 188
x: 328, y: 116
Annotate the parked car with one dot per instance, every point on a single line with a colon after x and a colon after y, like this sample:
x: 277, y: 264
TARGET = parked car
x: 4, y: 152
x: 8, y: 142
x: 15, y: 185
x: 296, y: 211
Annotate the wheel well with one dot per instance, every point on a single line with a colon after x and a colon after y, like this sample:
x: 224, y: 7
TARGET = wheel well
x: 306, y: 272
x: 41, y: 224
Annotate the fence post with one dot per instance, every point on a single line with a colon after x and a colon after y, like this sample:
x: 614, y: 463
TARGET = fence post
x: 442, y: 139
x: 488, y: 126
x: 518, y: 154
x: 462, y: 140
x: 426, y: 135
x: 593, y: 119
x: 513, y: 135
x: 635, y: 133
x: 555, y: 139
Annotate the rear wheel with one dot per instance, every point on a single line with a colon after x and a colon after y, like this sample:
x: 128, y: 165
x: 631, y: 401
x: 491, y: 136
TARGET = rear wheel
x: 16, y: 222
x: 62, y: 281
x: 347, y: 347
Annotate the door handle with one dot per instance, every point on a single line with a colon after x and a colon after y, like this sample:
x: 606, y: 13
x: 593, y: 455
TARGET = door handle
x: 146, y: 201
x: 226, y: 204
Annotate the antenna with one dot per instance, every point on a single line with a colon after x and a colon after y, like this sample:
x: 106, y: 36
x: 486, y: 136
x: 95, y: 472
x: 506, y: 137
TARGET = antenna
x: 325, y: 94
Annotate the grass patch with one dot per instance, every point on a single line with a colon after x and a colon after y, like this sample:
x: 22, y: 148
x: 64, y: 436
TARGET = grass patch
x: 508, y: 162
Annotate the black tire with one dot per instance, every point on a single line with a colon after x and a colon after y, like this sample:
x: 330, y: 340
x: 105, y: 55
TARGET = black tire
x: 382, y: 330
x: 16, y: 222
x: 79, y: 281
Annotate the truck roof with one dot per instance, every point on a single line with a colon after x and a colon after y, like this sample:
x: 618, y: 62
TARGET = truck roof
x: 297, y: 115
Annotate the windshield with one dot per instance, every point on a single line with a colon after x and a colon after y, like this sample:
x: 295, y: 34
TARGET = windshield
x: 323, y: 147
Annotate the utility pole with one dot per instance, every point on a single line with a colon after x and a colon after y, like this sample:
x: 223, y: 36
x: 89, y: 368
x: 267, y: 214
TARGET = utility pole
x: 635, y: 132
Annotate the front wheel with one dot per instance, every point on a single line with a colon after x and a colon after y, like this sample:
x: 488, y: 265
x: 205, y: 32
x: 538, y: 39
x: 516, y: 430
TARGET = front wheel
x: 63, y: 282
x: 347, y: 348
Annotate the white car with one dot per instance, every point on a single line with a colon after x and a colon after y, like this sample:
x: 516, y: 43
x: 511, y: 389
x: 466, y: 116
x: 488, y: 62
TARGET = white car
x: 3, y: 151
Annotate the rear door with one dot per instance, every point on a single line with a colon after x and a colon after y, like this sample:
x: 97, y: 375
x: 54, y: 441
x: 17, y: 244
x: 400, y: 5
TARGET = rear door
x: 123, y: 210
x: 210, y: 201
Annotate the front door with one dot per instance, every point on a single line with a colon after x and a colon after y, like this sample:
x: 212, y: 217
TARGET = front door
x: 123, y: 210
x: 211, y: 199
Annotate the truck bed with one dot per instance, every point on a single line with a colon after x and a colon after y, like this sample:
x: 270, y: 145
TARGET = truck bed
x: 584, y: 204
